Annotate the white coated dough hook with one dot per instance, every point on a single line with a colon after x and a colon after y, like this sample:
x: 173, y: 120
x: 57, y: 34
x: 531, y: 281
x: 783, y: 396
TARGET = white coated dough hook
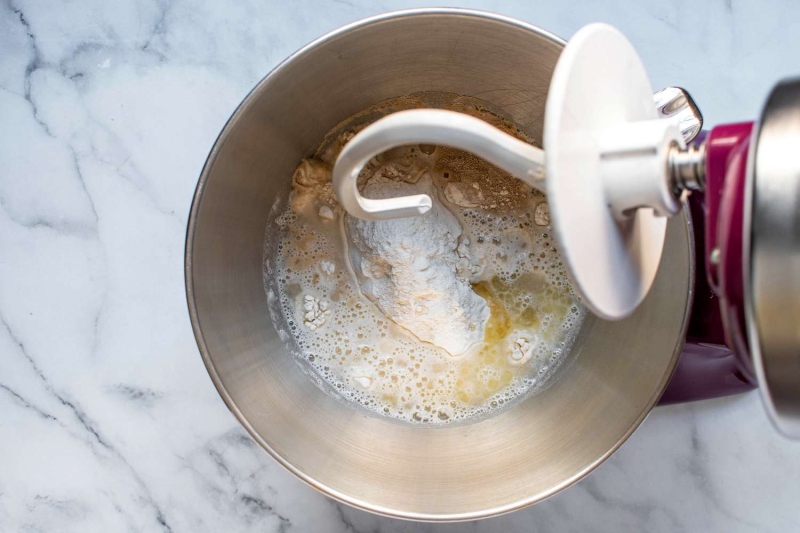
x: 427, y: 126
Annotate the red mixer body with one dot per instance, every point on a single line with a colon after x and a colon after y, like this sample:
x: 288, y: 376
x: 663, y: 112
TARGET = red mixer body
x: 715, y: 360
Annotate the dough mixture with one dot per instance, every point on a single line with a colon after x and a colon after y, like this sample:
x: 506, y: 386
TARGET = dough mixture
x: 437, y: 318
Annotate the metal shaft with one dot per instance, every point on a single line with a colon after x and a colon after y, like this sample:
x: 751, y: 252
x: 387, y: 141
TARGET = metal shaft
x: 687, y: 168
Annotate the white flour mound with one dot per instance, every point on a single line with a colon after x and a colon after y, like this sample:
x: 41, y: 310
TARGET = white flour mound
x: 407, y: 267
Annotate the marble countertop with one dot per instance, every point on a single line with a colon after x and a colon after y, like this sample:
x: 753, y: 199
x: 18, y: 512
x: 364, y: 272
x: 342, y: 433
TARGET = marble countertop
x: 108, y: 420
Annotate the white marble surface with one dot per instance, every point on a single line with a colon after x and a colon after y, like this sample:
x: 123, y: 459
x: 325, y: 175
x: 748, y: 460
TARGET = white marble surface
x: 108, y: 420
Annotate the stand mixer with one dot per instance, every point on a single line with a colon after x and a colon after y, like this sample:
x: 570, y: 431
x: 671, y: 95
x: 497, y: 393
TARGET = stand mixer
x: 614, y: 168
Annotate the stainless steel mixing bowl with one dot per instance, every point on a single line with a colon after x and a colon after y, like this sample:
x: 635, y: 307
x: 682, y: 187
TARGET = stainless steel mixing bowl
x: 502, y: 463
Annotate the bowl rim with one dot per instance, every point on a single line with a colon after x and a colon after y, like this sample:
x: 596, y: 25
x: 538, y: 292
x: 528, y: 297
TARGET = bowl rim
x: 358, y: 503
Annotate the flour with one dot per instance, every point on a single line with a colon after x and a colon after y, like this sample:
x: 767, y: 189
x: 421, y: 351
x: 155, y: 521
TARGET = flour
x: 315, y: 312
x: 408, y: 266
x: 521, y: 350
x: 327, y: 267
x: 541, y: 215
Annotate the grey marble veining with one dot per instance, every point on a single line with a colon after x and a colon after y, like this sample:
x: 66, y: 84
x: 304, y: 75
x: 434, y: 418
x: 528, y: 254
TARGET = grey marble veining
x: 108, y: 420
